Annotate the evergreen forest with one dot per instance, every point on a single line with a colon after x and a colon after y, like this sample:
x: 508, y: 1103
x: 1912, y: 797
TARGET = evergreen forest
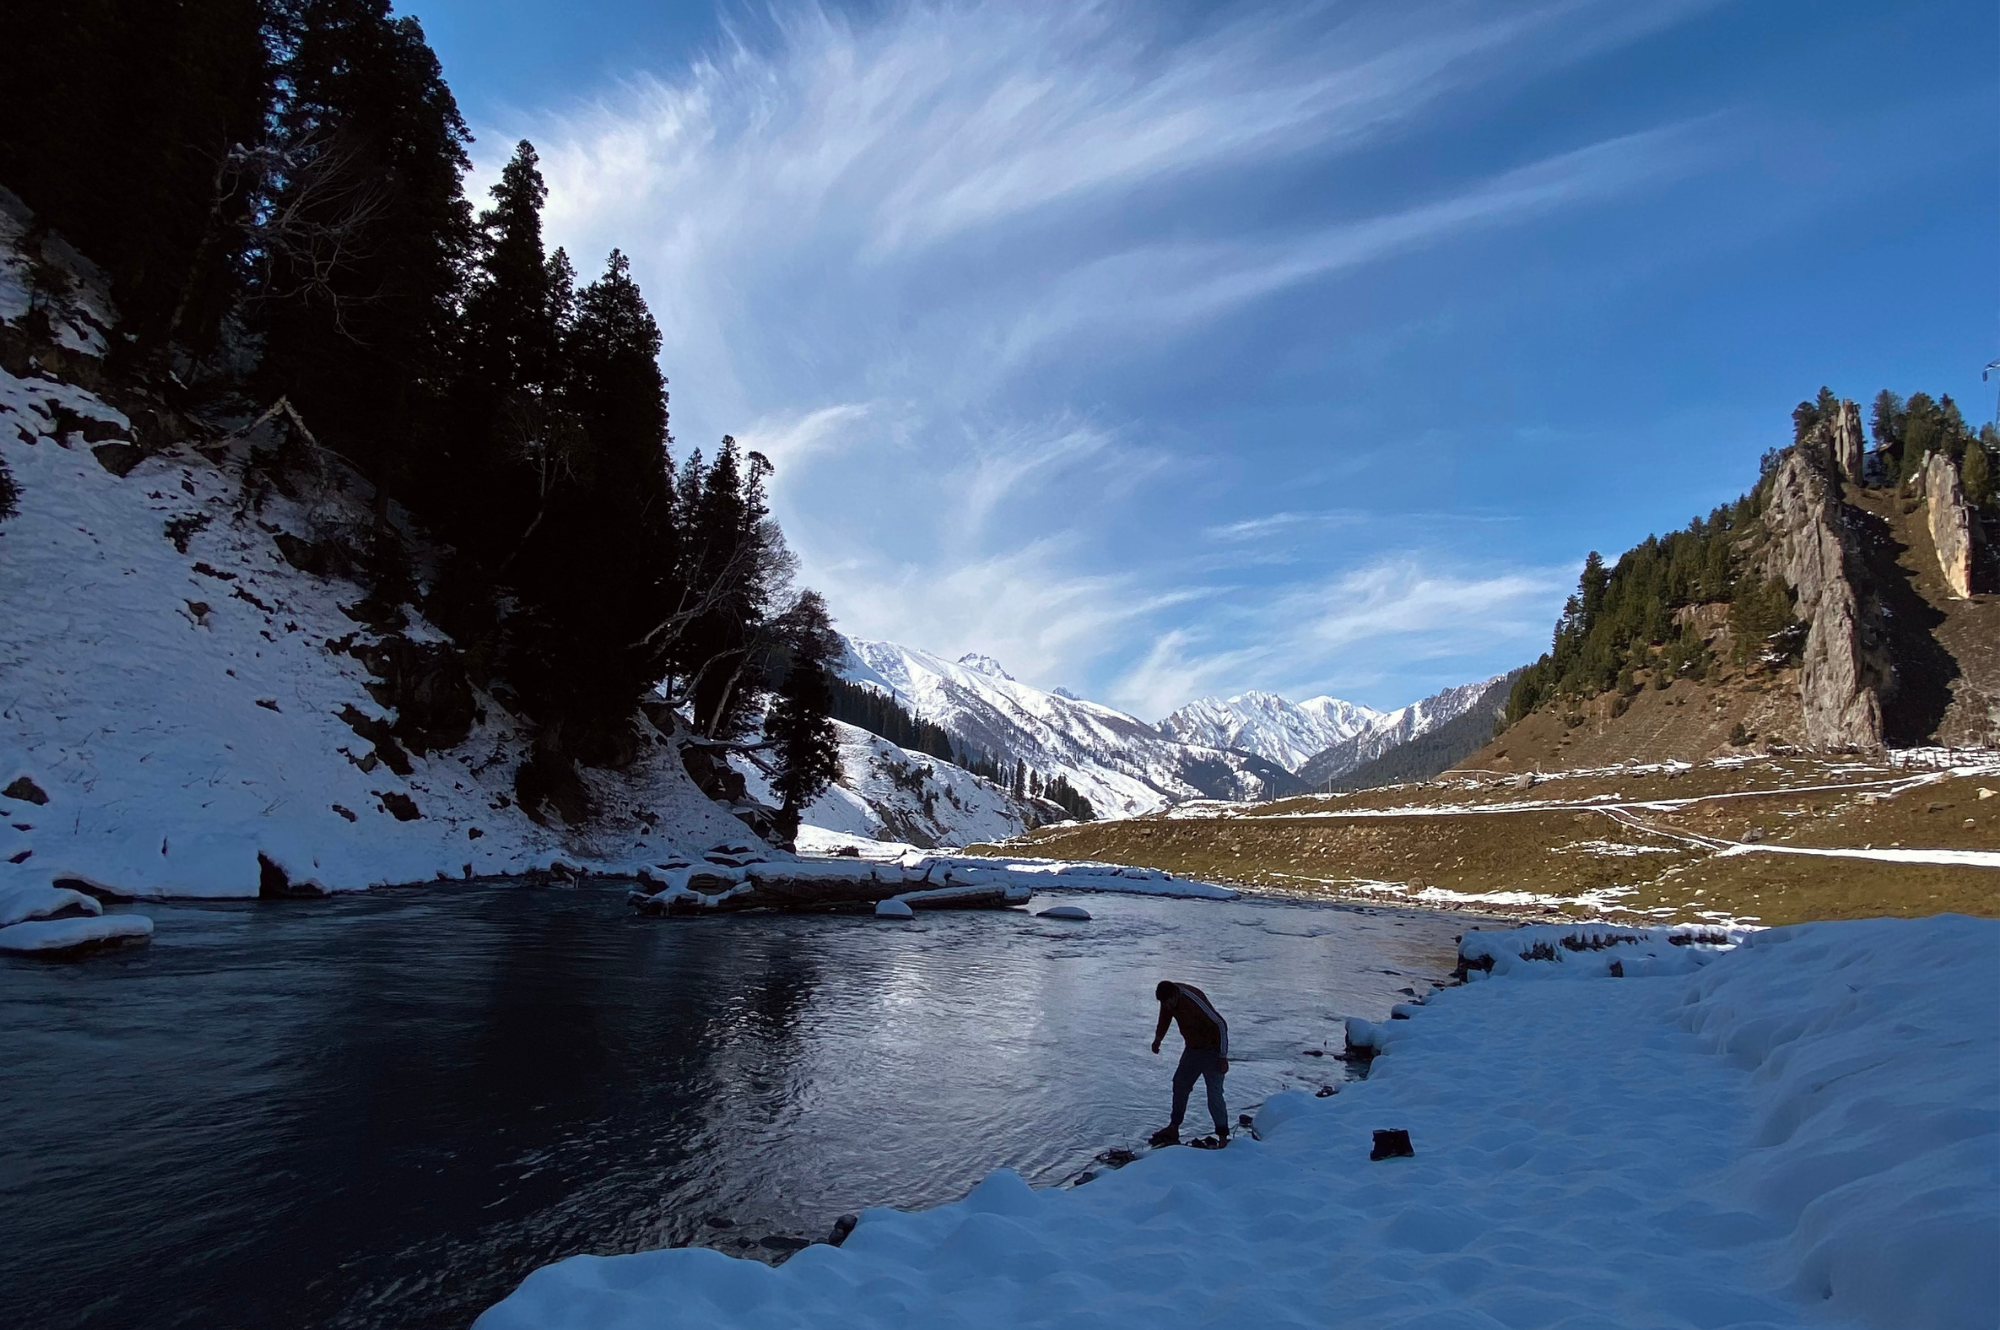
x: 275, y: 189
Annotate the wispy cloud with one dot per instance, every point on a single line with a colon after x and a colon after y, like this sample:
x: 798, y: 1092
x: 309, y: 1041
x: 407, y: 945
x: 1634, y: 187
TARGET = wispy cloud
x: 888, y: 250
x: 1410, y: 612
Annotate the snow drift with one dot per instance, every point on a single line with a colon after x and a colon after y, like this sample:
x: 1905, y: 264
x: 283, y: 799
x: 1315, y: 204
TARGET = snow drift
x: 1803, y: 1126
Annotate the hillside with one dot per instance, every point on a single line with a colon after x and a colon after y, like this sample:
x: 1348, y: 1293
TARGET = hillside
x: 1839, y: 628
x: 887, y: 793
x: 188, y: 713
x: 1431, y: 751
x: 1390, y: 731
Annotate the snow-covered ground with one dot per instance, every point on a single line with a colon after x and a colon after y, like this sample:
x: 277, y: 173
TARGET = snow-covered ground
x: 891, y: 793
x: 168, y: 715
x: 1802, y: 1130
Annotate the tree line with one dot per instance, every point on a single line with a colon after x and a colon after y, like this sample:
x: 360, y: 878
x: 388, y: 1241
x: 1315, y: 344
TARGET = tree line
x: 275, y: 188
x: 881, y: 714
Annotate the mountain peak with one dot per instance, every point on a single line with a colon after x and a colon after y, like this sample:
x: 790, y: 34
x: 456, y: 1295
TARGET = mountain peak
x: 1267, y: 724
x: 984, y: 664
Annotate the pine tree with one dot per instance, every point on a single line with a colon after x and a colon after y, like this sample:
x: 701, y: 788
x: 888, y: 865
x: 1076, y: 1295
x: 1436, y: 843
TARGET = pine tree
x: 1804, y: 417
x: 1976, y: 473
x: 799, y: 724
x: 10, y: 493
x: 1886, y: 422
x: 1923, y: 432
x: 734, y: 566
x: 516, y: 443
x: 362, y: 252
x: 126, y: 129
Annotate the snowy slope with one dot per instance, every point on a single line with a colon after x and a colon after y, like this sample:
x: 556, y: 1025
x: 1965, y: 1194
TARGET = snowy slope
x: 887, y: 793
x: 1392, y: 730
x: 181, y: 713
x: 1288, y: 733
x: 1799, y: 1131
x: 1120, y: 763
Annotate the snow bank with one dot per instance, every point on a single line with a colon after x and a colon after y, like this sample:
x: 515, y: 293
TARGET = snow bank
x: 1801, y: 1127
x: 924, y: 880
x: 52, y: 935
x: 1091, y: 875
x: 176, y: 710
x: 30, y: 900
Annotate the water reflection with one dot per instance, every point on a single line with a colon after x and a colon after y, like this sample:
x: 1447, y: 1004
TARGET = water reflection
x: 387, y: 1110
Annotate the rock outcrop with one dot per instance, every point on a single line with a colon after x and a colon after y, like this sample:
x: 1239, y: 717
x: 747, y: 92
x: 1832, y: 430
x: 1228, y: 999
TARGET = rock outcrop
x: 1844, y: 671
x: 1950, y: 522
x: 1844, y: 441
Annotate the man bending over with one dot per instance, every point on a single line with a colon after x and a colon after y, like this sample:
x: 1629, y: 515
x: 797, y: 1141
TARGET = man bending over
x: 1206, y: 1036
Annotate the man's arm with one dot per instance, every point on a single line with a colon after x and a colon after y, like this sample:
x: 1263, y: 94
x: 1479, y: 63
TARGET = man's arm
x: 1166, y: 1019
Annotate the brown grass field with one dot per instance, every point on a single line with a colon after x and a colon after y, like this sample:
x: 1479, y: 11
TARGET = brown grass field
x: 1674, y: 844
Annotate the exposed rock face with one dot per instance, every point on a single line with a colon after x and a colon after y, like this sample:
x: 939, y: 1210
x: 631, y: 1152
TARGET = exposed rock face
x: 1844, y: 671
x: 1950, y: 523
x: 1844, y: 440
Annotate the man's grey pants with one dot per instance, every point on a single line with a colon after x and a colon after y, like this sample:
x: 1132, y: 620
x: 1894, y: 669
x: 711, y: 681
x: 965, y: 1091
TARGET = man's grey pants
x: 1207, y: 1064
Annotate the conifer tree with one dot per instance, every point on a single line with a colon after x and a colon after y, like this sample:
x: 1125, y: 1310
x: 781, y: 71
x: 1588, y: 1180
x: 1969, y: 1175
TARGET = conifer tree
x: 363, y: 246
x: 799, y: 724
x: 1886, y: 422
x: 1976, y: 473
x: 10, y: 493
x: 127, y: 128
x: 516, y: 444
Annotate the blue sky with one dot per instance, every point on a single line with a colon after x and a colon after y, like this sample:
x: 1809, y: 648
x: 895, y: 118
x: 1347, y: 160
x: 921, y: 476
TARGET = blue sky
x: 1165, y: 350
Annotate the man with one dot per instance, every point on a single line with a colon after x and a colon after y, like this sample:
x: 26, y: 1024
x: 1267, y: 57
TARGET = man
x: 1206, y: 1055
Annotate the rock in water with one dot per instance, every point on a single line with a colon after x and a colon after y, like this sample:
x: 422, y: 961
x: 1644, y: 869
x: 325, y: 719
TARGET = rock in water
x: 1392, y: 1144
x: 1064, y: 912
x: 894, y: 909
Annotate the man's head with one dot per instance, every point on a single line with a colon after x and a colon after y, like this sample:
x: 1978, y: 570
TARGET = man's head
x: 1165, y: 991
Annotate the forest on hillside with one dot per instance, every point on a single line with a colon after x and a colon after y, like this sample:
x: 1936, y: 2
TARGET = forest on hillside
x: 881, y: 714
x: 275, y: 191
x: 1625, y: 619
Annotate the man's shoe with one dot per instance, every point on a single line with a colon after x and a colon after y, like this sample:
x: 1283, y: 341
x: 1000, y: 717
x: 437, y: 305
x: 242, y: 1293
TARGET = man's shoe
x: 1166, y: 1136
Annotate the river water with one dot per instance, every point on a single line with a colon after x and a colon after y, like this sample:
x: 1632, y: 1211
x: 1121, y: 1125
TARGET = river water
x: 387, y: 1109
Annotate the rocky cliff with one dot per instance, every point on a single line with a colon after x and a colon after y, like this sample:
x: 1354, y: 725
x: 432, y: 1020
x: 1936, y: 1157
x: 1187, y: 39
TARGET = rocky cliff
x: 1843, y: 441
x: 1813, y: 548
x: 1896, y: 643
x: 1951, y: 524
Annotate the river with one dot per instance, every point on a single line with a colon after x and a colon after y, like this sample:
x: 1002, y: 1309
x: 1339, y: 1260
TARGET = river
x: 386, y: 1109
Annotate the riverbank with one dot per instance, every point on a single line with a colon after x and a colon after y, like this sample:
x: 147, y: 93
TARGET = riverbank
x: 1801, y: 1125
x: 383, y: 1110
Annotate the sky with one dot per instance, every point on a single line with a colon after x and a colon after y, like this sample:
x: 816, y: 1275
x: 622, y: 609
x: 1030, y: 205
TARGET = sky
x: 1165, y: 350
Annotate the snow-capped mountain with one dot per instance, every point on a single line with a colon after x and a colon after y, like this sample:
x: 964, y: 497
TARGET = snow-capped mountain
x: 1120, y: 763
x: 1288, y: 733
x: 1393, y: 729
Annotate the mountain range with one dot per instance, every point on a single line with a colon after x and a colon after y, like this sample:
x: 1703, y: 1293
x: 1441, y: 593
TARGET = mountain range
x: 1288, y: 733
x: 1255, y: 745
